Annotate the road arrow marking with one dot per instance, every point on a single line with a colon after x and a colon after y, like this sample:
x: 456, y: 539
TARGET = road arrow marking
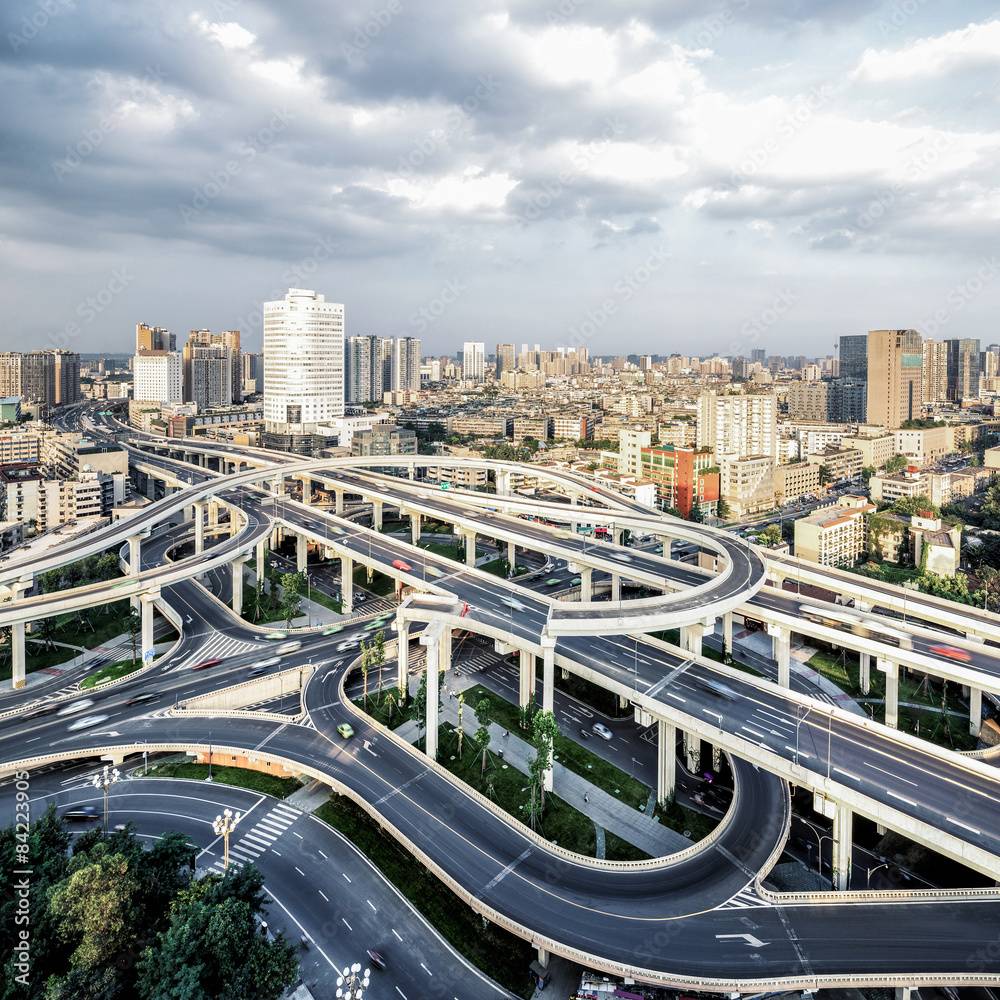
x: 368, y: 747
x: 748, y: 938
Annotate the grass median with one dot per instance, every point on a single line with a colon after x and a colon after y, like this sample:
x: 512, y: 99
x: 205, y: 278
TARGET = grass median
x: 239, y: 777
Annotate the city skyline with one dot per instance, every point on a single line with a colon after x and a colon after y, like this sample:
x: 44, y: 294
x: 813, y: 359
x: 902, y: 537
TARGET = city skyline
x: 447, y: 172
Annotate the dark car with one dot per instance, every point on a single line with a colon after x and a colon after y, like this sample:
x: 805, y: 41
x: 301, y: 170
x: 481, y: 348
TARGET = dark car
x: 142, y: 699
x: 376, y: 959
x: 82, y: 812
x: 39, y: 712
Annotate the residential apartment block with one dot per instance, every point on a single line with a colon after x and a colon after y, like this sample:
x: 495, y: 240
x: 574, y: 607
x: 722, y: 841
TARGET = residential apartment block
x: 685, y: 478
x: 836, y: 535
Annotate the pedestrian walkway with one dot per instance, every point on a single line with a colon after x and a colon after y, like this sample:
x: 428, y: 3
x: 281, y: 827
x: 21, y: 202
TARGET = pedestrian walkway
x: 309, y: 797
x: 257, y: 840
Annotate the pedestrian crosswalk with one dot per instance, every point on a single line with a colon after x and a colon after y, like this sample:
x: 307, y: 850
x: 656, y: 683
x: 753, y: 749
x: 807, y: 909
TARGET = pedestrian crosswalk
x: 220, y: 646
x: 743, y: 900
x: 257, y: 840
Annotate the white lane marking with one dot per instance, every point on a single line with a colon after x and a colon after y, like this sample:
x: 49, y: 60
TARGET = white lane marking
x: 345, y: 876
x: 401, y: 993
x: 898, y: 777
x: 324, y: 895
x: 300, y: 871
x: 424, y: 967
x: 371, y: 904
x: 347, y: 925
x: 753, y: 732
x: 398, y: 938
x: 322, y: 855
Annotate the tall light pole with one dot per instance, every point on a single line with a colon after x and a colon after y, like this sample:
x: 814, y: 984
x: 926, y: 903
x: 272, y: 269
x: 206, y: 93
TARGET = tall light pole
x: 223, y: 827
x: 103, y: 782
x: 209, y: 778
x: 351, y: 984
x: 871, y: 871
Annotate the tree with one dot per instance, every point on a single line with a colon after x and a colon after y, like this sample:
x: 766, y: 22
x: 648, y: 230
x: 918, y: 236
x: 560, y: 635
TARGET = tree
x: 46, y: 629
x: 544, y: 731
x: 722, y: 510
x: 825, y: 475
x: 896, y: 464
x: 867, y: 472
x: 366, y: 662
x: 378, y: 661
x: 482, y: 734
x: 291, y: 589
x: 912, y: 506
x: 133, y: 626
x: 771, y: 535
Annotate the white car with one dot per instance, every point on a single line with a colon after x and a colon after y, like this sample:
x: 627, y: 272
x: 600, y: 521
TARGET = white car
x: 514, y: 603
x: 75, y: 706
x: 602, y: 730
x: 86, y: 722
x: 621, y: 557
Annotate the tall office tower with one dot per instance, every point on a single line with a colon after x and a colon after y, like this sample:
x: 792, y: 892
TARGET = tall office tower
x: 208, y: 376
x: 989, y: 363
x: 854, y: 356
x: 742, y: 426
x: 474, y: 360
x: 227, y: 341
x: 38, y: 377
x: 934, y: 373
x: 253, y: 373
x: 963, y: 369
x: 406, y: 364
x: 847, y: 401
x: 758, y: 354
x: 304, y: 348
x: 154, y: 338
x: 368, y: 369
x: 895, y: 369
x: 11, y: 371
x: 66, y: 377
x: 506, y: 359
x: 158, y: 376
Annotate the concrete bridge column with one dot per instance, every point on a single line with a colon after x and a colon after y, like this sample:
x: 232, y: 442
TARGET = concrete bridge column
x: 415, y: 528
x: 616, y: 587
x: 548, y: 697
x: 346, y: 584
x: 586, y: 584
x: 278, y: 486
x: 470, y: 548
x: 665, y: 541
x: 843, y: 823
x: 512, y: 555
x: 146, y: 602
x: 238, y: 584
x: 307, y: 492
x: 617, y: 532
x: 692, y: 751
x: 377, y: 515
x: 727, y: 633
x: 199, y: 528
x: 301, y: 552
x: 403, y: 653
x: 692, y: 636
x: 17, y: 654
x: 975, y: 710
x: 891, y: 671
x: 338, y: 502
x: 781, y: 647
x: 526, y: 677
x: 431, y: 641
x: 503, y: 484
x: 543, y: 957
x: 261, y: 558
x: 134, y: 550
x: 866, y: 673
x: 666, y: 760
x: 213, y: 514
x: 411, y: 472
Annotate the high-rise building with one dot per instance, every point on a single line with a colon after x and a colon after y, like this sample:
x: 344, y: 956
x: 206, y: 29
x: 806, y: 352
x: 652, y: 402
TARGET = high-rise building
x: 847, y: 401
x: 304, y: 348
x: 66, y: 377
x: 47, y: 377
x: 506, y: 359
x: 228, y: 342
x: 989, y: 362
x: 158, y: 376
x: 934, y: 374
x: 738, y: 425
x: 758, y: 354
x: 854, y: 356
x: 895, y: 370
x: 253, y: 373
x: 808, y: 400
x: 474, y: 361
x: 963, y: 369
x: 368, y: 369
x: 405, y: 364
x: 154, y: 338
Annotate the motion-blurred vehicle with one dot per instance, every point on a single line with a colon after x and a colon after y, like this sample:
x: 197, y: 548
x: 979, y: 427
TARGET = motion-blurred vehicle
x: 289, y: 647
x: 855, y: 624
x: 514, y: 603
x: 145, y: 698
x: 951, y: 652
x: 82, y: 813
x: 404, y: 566
x: 717, y: 687
x: 602, y: 730
x: 345, y: 730
x: 86, y: 722
x: 207, y: 664
x: 76, y: 706
x: 376, y: 959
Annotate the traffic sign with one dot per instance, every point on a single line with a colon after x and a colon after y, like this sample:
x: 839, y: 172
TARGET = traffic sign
x: 148, y: 655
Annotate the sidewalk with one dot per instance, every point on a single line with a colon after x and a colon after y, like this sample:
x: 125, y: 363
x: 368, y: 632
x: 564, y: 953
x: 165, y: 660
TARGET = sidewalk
x: 604, y: 809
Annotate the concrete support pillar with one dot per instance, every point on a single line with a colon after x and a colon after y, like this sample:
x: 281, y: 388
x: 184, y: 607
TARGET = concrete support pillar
x: 526, y: 677
x: 261, y: 559
x: 431, y: 640
x: 403, y: 654
x: 470, y: 548
x: 543, y: 957
x: 691, y: 636
x: 548, y: 696
x: 666, y: 760
x: 842, y: 834
x: 616, y: 587
x: 891, y: 671
x: 17, y: 654
x: 512, y: 555
x: 346, y: 584
x: 411, y: 472
x: 692, y: 751
x: 618, y: 535
x: 975, y: 710
x: 278, y: 486
x: 301, y: 552
x: 307, y: 492
x: 238, y: 584
x: 716, y: 758
x: 503, y: 484
x: 781, y: 650
x: 199, y: 528
x: 445, y: 655
x: 415, y: 528
x: 903, y: 992
x: 338, y: 502
x: 146, y: 602
x: 134, y: 551
x: 586, y: 584
x: 727, y: 633
x: 213, y: 514
x: 866, y: 673
x: 665, y: 541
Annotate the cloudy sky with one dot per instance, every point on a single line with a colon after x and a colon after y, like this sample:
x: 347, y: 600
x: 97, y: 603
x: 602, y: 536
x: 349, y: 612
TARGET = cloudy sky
x: 632, y: 175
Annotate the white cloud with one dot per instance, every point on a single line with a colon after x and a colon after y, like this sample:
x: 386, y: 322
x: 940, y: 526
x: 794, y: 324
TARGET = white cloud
x: 230, y: 34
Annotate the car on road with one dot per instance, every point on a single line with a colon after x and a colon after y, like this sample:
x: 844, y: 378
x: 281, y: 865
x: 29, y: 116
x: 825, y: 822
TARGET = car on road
x: 375, y: 624
x: 76, y: 706
x: 717, y: 687
x: 404, y: 566
x: 553, y: 582
x: 276, y: 635
x: 39, y: 712
x: 207, y: 663
x: 602, y: 730
x: 289, y: 647
x: 433, y: 571
x: 621, y: 557
x: 347, y: 644
x: 345, y: 730
x: 951, y: 652
x: 576, y: 581
x: 145, y: 698
x: 333, y: 629
x: 376, y: 959
x: 337, y: 530
x: 86, y: 722
x: 82, y: 813
x: 514, y: 603
x: 585, y: 734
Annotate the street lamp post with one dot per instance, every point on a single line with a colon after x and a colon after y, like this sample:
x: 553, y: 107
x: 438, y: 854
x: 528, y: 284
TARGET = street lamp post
x: 351, y: 984
x: 798, y: 722
x: 223, y: 827
x: 871, y: 871
x: 103, y: 782
x: 819, y: 846
x: 209, y: 778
